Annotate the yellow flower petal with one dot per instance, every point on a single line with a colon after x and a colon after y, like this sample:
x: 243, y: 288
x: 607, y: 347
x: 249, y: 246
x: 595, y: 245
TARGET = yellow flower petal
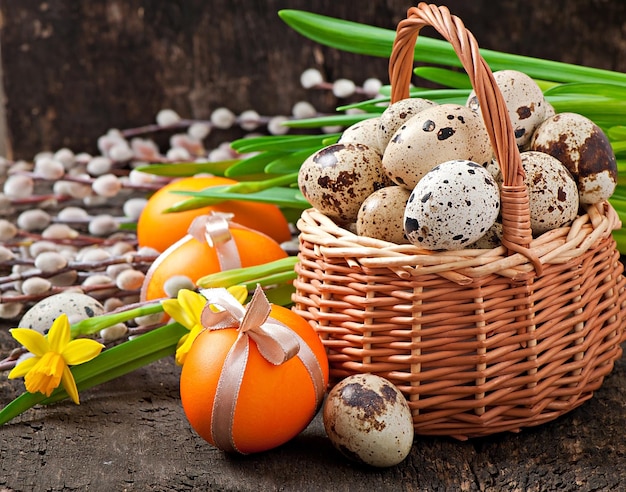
x: 23, y: 367
x: 175, y: 311
x: 192, y: 303
x: 81, y: 350
x: 59, y: 334
x: 185, y: 343
x: 70, y: 385
x: 46, y: 375
x: 34, y: 341
x: 239, y: 292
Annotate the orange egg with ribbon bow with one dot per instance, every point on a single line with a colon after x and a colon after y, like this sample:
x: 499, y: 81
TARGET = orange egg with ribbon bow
x: 214, y: 244
x: 255, y: 377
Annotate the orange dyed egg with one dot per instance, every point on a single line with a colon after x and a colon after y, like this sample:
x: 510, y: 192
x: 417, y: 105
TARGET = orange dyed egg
x: 274, y: 403
x: 195, y: 259
x: 159, y: 230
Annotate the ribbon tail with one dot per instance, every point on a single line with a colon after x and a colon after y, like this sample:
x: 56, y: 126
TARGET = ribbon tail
x: 225, y: 402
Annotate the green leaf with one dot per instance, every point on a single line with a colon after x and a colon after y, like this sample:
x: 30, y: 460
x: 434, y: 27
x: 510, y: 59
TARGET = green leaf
x: 279, y: 196
x: 444, y: 76
x: 281, y: 143
x: 617, y: 132
x: 375, y: 41
x: 290, y: 163
x: 331, y: 120
x: 184, y: 169
x: 596, y: 89
x: 253, y: 164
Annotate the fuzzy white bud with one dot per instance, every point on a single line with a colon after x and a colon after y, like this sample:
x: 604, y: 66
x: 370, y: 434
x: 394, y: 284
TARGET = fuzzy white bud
x: 133, y: 207
x: 303, y: 109
x: 99, y: 165
x: 198, y: 130
x: 102, y: 225
x: 276, y: 127
x: 167, y: 117
x: 121, y: 152
x: 49, y: 169
x: 33, y: 220
x: 93, y: 255
x: 107, y: 185
x: 139, y: 178
x: 72, y: 214
x: 59, y: 231
x: 372, y: 87
x: 8, y: 230
x: 50, y: 262
x: 249, y: 120
x: 35, y: 286
x: 66, y: 157
x: 175, y: 283
x: 19, y: 186
x: 343, y: 88
x: 39, y: 247
x: 178, y: 154
x: 223, y: 118
x: 310, y: 78
x: 130, y: 279
x: 114, y: 332
x: 9, y: 310
x: 6, y: 254
x: 145, y: 149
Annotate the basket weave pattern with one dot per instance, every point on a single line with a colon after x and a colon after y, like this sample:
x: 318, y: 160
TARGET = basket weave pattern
x: 479, y: 341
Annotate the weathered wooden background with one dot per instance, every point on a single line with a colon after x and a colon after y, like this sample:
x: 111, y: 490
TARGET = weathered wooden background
x: 72, y: 69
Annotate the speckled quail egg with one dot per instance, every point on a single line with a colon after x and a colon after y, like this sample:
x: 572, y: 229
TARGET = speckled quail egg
x: 524, y: 100
x: 435, y: 135
x: 363, y: 132
x: 338, y: 178
x: 584, y: 149
x: 491, y: 239
x: 369, y: 421
x: 552, y: 192
x: 76, y: 305
x: 452, y: 206
x: 396, y: 114
x: 381, y: 215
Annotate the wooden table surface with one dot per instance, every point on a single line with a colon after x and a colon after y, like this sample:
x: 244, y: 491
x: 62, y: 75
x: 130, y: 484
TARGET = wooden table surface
x: 131, y: 434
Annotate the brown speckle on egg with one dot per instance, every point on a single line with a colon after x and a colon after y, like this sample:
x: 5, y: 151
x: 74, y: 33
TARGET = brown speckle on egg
x: 583, y: 148
x: 338, y: 178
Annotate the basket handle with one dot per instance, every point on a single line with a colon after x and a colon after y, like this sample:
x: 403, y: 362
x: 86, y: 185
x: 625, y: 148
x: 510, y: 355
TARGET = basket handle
x: 517, y: 233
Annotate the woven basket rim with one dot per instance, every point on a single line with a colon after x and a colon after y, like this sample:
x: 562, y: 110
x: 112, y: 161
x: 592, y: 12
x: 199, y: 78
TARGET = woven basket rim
x: 557, y: 246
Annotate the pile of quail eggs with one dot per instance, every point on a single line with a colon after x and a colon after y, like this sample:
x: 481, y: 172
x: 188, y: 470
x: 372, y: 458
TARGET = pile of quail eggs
x: 425, y: 173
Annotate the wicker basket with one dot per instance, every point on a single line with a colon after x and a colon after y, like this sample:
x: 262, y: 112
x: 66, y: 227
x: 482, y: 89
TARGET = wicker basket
x: 479, y: 341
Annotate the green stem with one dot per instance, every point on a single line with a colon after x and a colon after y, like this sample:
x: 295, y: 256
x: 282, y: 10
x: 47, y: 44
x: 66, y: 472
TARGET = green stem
x: 92, y: 325
x: 110, y: 364
x: 248, y: 275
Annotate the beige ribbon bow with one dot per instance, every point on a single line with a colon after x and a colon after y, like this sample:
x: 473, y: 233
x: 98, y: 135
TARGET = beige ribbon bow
x: 215, y: 230
x: 276, y: 342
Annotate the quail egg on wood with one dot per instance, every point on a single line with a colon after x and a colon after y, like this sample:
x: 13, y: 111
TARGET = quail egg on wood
x: 524, y: 100
x: 338, y: 178
x: 435, y: 135
x: 363, y: 132
x: 381, y: 215
x: 369, y: 421
x: 76, y: 305
x: 452, y: 206
x: 396, y: 114
x: 584, y: 149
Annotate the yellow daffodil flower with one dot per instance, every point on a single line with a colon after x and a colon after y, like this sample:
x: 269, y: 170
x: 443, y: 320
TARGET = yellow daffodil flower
x: 52, y: 357
x: 186, y: 309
